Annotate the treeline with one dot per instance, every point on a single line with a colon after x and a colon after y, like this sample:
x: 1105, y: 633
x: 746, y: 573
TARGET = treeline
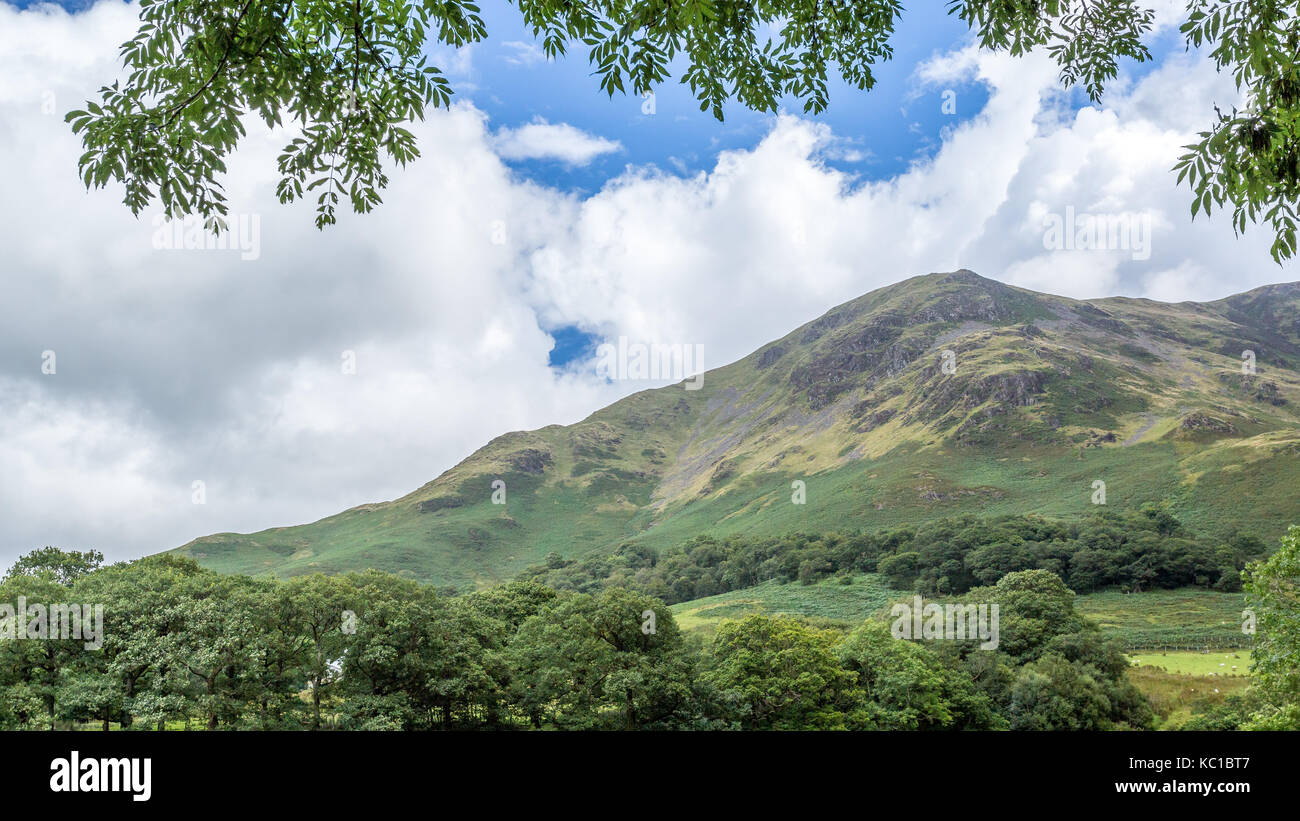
x: 1131, y: 550
x: 187, y: 647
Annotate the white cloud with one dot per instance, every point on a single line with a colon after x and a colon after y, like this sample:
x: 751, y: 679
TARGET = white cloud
x: 191, y: 365
x: 521, y: 54
x: 1169, y: 13
x: 540, y: 140
x: 454, y: 62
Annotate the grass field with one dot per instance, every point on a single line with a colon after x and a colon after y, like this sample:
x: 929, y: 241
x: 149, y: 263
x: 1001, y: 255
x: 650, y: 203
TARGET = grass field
x: 1176, y: 697
x: 1217, y: 664
x: 1180, y: 684
x: 1186, y: 619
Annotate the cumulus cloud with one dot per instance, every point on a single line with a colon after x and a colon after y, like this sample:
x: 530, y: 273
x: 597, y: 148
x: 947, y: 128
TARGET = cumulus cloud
x: 540, y: 140
x: 177, y: 366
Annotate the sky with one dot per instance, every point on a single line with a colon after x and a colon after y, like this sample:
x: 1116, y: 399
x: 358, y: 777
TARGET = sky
x: 310, y: 371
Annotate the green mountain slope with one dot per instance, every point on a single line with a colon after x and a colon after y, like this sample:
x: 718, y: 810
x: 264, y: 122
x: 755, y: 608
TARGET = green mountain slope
x: 1048, y: 395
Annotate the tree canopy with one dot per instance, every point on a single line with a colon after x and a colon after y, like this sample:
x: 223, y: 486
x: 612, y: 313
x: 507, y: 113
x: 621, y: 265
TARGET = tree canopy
x: 1273, y: 591
x: 351, y: 76
x: 187, y: 647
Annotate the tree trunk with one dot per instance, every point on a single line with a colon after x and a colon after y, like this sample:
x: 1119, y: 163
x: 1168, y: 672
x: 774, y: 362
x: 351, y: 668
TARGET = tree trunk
x: 315, y: 704
x: 212, y: 710
x: 130, y: 693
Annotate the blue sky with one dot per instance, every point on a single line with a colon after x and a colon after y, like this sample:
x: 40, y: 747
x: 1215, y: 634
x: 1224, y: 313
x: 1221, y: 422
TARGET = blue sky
x: 893, y: 125
x: 886, y: 127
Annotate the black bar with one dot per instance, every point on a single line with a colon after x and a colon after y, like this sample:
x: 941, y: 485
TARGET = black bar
x: 297, y: 771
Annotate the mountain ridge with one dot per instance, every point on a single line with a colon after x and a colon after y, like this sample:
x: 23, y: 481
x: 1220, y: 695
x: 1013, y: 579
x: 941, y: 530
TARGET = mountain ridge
x: 943, y: 393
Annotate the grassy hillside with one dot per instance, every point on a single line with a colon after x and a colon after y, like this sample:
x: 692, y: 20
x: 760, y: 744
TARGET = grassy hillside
x: 1168, y: 619
x: 1157, y: 621
x: 831, y: 600
x: 1048, y: 395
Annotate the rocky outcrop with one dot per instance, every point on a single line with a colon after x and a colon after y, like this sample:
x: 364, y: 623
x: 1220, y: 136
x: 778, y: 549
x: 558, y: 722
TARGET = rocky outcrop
x: 769, y: 357
x: 1267, y: 392
x: 1199, y: 422
x: 1260, y: 390
x: 842, y: 361
x: 531, y: 461
x: 1098, y: 318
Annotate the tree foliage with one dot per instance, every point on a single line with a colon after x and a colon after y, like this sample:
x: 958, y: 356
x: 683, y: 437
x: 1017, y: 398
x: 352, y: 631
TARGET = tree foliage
x: 1129, y: 550
x: 349, y: 77
x: 782, y: 674
x: 1273, y: 593
x: 188, y: 647
x: 1249, y: 159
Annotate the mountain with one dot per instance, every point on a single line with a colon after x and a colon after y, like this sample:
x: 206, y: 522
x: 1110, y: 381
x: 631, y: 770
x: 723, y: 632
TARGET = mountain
x: 1045, y: 396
